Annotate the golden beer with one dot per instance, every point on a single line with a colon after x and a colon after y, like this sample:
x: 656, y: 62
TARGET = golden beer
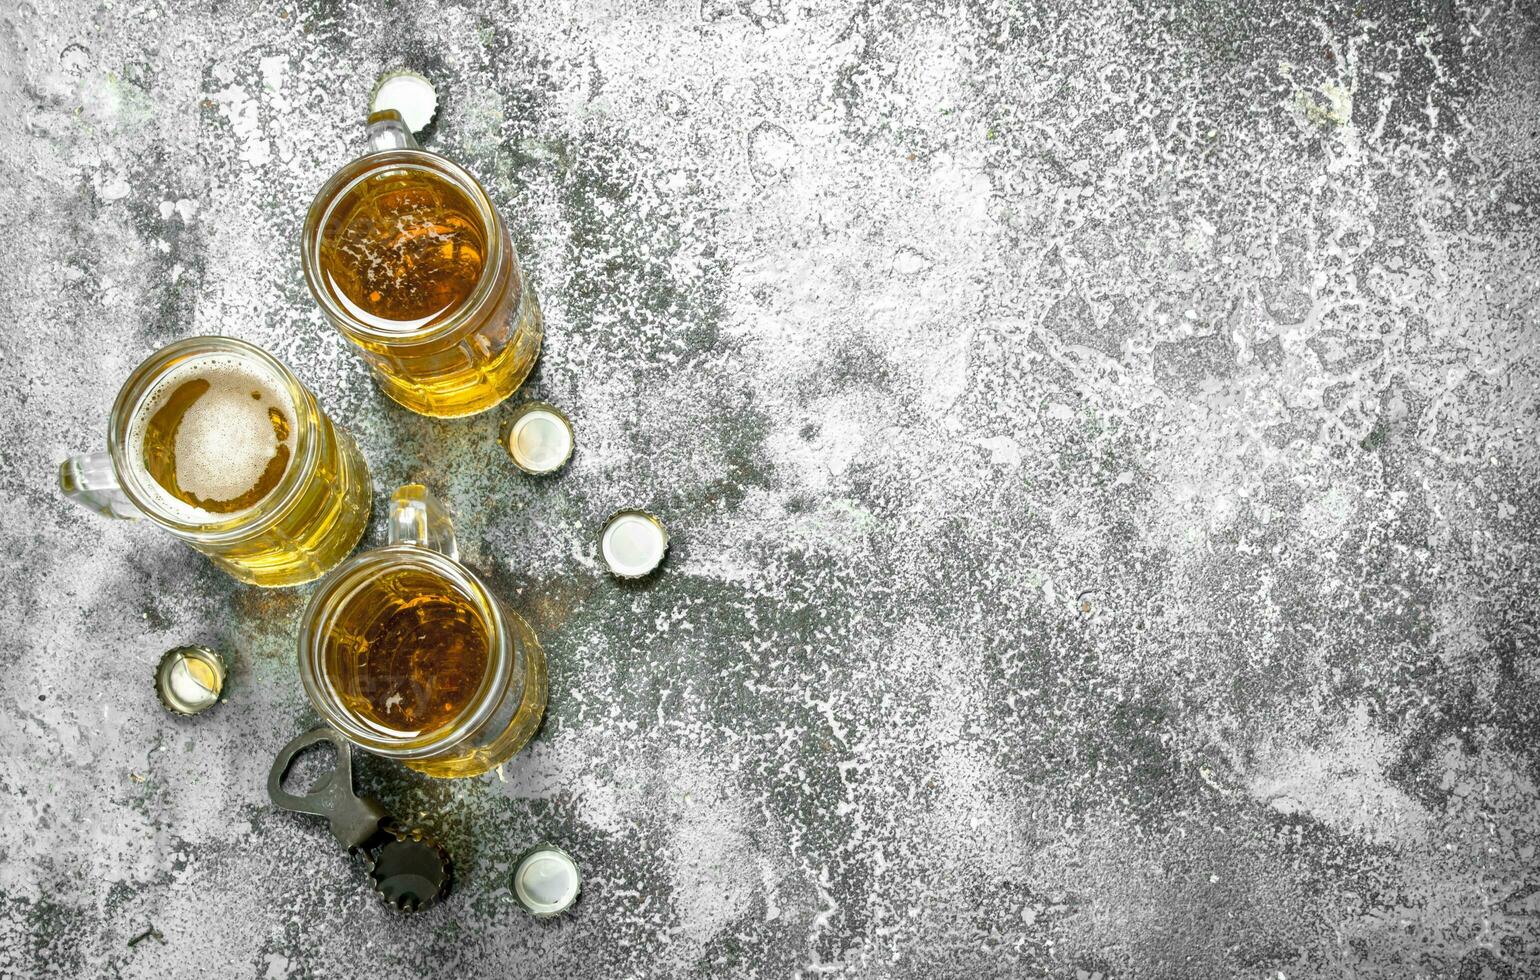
x: 410, y: 261
x: 402, y: 249
x: 220, y: 444
x: 407, y: 654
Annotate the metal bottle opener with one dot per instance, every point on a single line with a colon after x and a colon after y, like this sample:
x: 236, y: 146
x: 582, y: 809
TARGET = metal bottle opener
x: 408, y: 868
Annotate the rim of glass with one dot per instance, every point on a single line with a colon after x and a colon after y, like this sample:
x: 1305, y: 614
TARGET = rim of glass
x: 346, y: 583
x: 141, y: 384
x: 356, y: 172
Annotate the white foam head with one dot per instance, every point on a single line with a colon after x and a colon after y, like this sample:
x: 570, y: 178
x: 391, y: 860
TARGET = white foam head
x: 226, y: 438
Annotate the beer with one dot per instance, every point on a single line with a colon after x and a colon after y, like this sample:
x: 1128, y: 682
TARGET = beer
x: 217, y: 442
x: 216, y: 438
x: 402, y: 249
x: 218, y: 435
x: 409, y: 260
x: 407, y: 654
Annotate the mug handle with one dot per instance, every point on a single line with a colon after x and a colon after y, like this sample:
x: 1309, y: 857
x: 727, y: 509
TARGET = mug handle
x: 91, y: 482
x: 387, y: 131
x: 417, y: 518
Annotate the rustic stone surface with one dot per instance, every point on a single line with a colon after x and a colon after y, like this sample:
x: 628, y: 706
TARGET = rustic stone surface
x: 1100, y: 444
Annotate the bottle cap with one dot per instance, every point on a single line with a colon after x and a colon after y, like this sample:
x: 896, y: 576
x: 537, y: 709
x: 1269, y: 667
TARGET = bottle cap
x: 190, y: 679
x: 410, y: 870
x: 546, y: 881
x: 633, y: 543
x: 539, y: 438
x: 407, y: 92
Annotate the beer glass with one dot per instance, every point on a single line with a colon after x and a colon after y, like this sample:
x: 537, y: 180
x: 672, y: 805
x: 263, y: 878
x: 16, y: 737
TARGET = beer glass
x: 408, y: 258
x: 219, y: 443
x: 407, y: 654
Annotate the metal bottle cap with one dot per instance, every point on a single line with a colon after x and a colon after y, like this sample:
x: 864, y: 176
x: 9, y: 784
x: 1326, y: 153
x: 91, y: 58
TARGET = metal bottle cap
x: 633, y: 543
x: 408, y: 93
x: 546, y: 881
x: 539, y: 438
x: 189, y: 679
x: 411, y: 871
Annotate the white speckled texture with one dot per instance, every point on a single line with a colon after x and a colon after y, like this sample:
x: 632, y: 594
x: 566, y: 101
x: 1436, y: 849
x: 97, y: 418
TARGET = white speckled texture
x: 1099, y: 442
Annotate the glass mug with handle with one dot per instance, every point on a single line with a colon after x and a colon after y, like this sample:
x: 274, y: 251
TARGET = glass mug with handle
x: 407, y: 654
x: 408, y: 258
x: 218, y: 442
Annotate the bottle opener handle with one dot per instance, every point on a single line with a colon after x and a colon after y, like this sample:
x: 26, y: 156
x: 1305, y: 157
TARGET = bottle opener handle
x: 353, y: 819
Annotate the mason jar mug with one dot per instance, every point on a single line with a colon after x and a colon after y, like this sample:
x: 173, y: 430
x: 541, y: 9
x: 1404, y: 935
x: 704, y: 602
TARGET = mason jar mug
x: 219, y: 443
x: 407, y: 654
x: 408, y: 258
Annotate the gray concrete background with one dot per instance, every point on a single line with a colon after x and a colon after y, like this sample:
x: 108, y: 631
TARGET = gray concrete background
x: 1100, y: 441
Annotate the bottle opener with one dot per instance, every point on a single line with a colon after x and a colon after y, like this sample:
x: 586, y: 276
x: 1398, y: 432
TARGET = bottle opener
x: 409, y: 869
